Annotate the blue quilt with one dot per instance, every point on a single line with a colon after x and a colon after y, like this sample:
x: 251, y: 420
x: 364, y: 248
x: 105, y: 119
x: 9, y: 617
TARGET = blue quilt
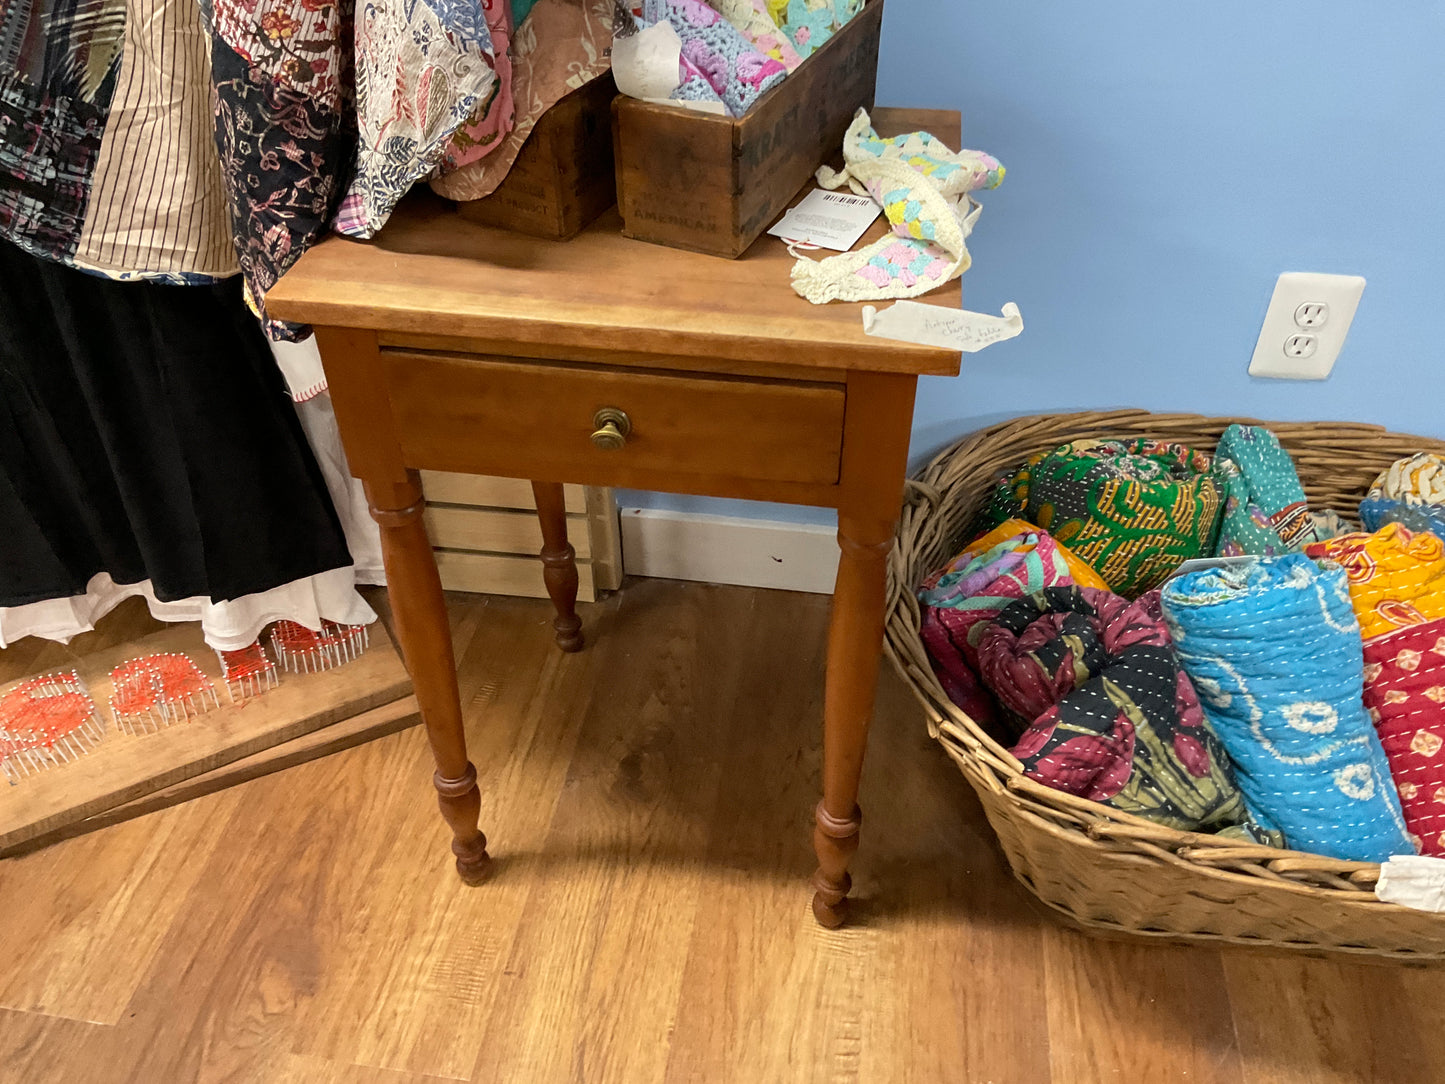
x: 1274, y: 651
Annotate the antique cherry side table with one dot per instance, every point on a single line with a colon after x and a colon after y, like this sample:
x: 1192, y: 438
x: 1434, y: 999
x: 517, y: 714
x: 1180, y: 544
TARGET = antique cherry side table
x: 457, y: 347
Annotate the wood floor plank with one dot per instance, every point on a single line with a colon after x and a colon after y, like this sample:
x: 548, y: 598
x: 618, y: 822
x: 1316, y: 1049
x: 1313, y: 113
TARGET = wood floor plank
x: 647, y: 802
x: 1344, y: 1022
x: 417, y: 955
x: 594, y: 976
x: 81, y: 925
x: 36, y: 1049
x: 1146, y: 1012
x: 790, y: 998
x: 242, y: 956
x: 797, y: 1003
x: 962, y: 949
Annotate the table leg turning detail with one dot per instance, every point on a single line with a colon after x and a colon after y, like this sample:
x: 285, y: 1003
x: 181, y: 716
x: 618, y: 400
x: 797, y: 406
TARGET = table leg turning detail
x: 855, y: 640
x: 424, y: 634
x: 559, y: 563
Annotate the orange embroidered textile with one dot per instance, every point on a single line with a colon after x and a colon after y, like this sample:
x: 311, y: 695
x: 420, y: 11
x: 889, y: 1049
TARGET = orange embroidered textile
x: 1083, y: 575
x: 1396, y: 576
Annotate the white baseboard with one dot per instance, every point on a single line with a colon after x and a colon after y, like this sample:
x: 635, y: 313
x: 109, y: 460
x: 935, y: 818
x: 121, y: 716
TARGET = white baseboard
x: 729, y: 549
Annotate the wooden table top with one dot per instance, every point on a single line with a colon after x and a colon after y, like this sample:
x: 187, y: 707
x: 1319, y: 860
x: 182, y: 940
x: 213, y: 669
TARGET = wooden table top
x: 431, y: 272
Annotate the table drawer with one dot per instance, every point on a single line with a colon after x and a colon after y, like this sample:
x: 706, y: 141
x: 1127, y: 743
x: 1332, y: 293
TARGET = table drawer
x: 538, y: 419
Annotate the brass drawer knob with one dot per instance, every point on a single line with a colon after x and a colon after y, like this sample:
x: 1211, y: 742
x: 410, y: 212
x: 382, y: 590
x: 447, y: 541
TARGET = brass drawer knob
x: 611, y: 428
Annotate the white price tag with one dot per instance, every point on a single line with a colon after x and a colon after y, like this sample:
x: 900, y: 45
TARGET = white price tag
x: 934, y: 325
x: 829, y: 219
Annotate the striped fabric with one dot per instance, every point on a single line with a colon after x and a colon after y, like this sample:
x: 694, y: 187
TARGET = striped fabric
x: 157, y: 202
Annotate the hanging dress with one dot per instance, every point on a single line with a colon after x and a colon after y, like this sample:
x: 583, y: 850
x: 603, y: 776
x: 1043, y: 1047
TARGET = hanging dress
x: 147, y: 442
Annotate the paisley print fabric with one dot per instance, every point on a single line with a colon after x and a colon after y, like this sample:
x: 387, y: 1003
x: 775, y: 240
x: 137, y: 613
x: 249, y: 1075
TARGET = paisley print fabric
x: 283, y: 136
x: 561, y: 46
x: 1396, y: 577
x: 423, y: 67
x: 494, y: 117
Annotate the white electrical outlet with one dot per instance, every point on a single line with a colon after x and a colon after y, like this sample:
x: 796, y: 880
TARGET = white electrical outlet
x: 1301, y: 345
x: 1305, y: 327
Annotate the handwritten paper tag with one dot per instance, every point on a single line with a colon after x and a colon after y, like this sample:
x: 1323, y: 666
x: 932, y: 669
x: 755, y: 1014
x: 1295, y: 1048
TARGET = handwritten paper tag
x: 828, y: 219
x: 644, y: 64
x: 933, y: 325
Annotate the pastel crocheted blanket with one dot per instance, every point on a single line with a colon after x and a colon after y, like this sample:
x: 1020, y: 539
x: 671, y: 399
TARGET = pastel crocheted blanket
x: 718, y: 62
x: 1112, y: 716
x: 923, y: 188
x: 1273, y: 650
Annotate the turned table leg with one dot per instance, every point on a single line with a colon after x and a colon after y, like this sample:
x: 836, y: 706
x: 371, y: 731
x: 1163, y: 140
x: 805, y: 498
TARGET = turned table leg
x: 559, y: 564
x: 424, y: 634
x: 855, y: 639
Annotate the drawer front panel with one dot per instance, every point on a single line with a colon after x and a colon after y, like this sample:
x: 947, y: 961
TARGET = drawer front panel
x: 494, y: 415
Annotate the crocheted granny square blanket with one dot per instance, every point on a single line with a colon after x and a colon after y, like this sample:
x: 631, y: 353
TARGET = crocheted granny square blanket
x: 923, y: 188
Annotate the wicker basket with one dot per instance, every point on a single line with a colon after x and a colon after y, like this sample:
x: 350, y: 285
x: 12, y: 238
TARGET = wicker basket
x: 1107, y: 871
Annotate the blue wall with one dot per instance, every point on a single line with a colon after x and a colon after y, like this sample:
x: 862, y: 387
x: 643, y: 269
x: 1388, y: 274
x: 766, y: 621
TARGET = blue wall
x: 1165, y: 163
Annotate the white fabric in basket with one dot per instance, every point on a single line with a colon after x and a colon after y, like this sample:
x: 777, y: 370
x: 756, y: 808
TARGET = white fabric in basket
x: 1414, y: 881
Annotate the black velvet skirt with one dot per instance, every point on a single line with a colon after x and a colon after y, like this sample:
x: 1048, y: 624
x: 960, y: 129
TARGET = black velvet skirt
x: 146, y: 432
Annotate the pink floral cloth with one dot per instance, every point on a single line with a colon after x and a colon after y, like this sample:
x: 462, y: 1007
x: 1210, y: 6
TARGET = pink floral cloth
x: 560, y: 46
x: 1111, y: 715
x: 496, y: 116
x: 958, y: 603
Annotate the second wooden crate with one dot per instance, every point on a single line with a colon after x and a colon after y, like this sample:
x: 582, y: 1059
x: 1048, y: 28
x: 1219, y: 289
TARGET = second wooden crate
x: 563, y: 178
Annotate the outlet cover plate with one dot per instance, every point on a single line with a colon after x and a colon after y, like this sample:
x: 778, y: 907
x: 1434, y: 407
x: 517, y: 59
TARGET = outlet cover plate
x: 1341, y: 293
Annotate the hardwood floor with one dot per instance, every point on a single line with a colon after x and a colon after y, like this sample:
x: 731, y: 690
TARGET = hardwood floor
x: 648, y: 803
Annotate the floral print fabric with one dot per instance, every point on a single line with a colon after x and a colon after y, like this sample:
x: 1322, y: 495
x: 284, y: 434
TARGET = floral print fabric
x: 561, y: 46
x: 1112, y: 717
x: 959, y: 599
x: 1405, y: 698
x: 495, y: 117
x: 283, y: 130
x: 326, y: 114
x: 1396, y: 577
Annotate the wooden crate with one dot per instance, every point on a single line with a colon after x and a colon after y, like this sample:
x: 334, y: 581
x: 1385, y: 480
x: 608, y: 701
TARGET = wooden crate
x: 486, y: 537
x: 563, y: 178
x: 711, y: 183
